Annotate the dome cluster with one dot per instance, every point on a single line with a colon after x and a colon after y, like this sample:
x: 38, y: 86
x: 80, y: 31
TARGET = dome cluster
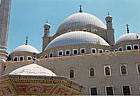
x: 79, y: 41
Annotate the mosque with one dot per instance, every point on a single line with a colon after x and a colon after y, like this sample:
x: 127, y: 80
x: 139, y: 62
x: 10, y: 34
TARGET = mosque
x: 82, y: 57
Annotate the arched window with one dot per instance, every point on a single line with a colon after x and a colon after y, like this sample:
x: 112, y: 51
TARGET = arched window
x: 51, y: 55
x: 15, y: 59
x: 46, y: 56
x: 60, y: 53
x: 29, y: 58
x: 92, y: 72
x: 135, y: 46
x: 115, y: 50
x: 82, y: 50
x: 93, y: 50
x: 75, y: 51
x: 67, y: 52
x: 138, y: 69
x: 128, y: 47
x: 123, y: 70
x: 107, y: 71
x: 71, y: 73
x: 21, y: 58
x: 120, y: 49
x: 100, y: 50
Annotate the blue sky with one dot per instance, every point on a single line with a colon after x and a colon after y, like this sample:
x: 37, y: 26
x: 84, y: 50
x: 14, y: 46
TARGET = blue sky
x: 28, y: 17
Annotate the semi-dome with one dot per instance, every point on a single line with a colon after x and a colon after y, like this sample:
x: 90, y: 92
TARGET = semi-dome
x: 128, y: 36
x: 26, y: 48
x: 81, y: 19
x: 32, y: 69
x: 77, y: 37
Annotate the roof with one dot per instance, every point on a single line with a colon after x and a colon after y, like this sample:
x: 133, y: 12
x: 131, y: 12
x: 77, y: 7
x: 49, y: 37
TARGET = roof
x: 32, y: 69
x: 128, y: 36
x: 76, y: 37
x: 81, y: 19
x: 26, y: 48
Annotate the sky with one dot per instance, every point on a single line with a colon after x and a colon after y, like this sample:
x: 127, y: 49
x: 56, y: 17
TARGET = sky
x: 29, y: 16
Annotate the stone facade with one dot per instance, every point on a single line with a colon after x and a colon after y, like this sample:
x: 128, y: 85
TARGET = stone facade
x: 81, y: 65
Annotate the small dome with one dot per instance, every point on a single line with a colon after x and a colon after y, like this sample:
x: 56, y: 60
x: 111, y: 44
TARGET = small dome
x: 32, y: 69
x: 81, y: 19
x: 129, y: 36
x: 26, y: 48
x: 76, y: 37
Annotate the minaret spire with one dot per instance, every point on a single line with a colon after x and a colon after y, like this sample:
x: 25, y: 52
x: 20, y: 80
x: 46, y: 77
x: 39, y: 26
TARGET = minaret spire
x: 26, y: 43
x: 127, y: 28
x: 80, y: 9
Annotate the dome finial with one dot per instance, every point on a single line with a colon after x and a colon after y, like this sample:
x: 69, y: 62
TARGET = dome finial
x: 108, y: 14
x: 127, y: 28
x: 26, y: 43
x: 47, y: 21
x: 80, y: 9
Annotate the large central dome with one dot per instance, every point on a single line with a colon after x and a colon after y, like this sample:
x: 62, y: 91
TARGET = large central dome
x: 76, y: 37
x: 81, y: 19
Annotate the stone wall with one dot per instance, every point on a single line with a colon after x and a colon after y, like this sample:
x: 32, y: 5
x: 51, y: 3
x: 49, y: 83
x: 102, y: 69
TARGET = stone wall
x: 81, y: 64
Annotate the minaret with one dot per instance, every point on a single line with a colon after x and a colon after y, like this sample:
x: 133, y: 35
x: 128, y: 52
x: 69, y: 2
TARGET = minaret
x: 46, y: 37
x: 110, y: 30
x: 4, y: 24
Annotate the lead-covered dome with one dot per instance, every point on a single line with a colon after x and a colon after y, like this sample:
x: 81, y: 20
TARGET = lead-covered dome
x: 32, y: 69
x: 76, y: 37
x: 26, y: 48
x: 81, y: 19
x: 128, y: 36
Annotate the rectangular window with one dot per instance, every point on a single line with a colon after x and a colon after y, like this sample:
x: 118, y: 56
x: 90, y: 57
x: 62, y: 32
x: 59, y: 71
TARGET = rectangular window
x: 126, y: 90
x: 109, y: 90
x: 93, y: 91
